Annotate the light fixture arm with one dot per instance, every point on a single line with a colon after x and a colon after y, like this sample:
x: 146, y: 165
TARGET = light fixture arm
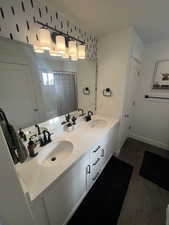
x: 58, y: 32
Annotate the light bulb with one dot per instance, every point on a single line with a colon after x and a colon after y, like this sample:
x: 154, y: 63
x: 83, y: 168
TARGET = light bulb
x: 74, y: 57
x: 66, y: 54
x: 81, y: 52
x: 45, y: 39
x: 60, y: 45
x: 72, y: 49
x: 52, y: 51
x: 37, y: 47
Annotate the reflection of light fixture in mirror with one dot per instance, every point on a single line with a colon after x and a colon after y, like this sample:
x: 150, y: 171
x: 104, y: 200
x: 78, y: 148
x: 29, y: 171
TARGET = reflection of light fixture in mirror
x: 74, y: 58
x: 66, y: 54
x: 72, y: 49
x: 60, y: 45
x: 37, y: 47
x: 45, y: 39
x: 52, y: 51
x: 81, y: 52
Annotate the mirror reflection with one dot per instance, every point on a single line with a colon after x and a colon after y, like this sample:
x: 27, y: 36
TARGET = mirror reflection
x: 37, y: 87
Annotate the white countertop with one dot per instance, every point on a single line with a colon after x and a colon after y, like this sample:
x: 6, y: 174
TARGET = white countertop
x: 35, y: 177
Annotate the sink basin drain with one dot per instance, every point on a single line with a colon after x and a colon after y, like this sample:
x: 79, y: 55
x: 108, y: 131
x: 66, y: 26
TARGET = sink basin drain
x: 53, y: 158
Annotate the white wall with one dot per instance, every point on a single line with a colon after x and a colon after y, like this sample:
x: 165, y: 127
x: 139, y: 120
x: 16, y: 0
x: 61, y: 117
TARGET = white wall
x: 113, y: 55
x: 151, y: 118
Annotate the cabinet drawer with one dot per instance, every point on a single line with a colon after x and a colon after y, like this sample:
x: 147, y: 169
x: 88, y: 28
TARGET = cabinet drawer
x: 95, y: 168
x: 95, y: 176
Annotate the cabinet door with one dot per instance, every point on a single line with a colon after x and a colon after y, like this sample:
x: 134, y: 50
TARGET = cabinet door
x: 17, y: 95
x: 65, y: 195
x: 109, y: 145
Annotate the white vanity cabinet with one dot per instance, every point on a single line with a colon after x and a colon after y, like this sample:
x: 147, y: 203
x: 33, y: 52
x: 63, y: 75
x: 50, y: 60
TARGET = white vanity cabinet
x: 110, y: 143
x: 66, y: 194
x: 59, y: 201
x: 100, y: 155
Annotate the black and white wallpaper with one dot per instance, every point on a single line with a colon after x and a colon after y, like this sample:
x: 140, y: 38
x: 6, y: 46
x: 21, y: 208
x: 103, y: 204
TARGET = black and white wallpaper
x: 17, y: 22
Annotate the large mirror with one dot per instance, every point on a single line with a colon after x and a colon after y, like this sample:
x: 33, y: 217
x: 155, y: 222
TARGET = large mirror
x: 37, y: 87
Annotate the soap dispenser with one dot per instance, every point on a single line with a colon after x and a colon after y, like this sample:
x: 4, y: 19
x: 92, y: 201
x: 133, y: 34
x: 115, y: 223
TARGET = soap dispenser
x: 22, y: 135
x: 31, y: 146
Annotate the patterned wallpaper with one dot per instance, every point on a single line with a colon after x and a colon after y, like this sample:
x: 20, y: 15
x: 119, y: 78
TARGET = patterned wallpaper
x: 17, y: 22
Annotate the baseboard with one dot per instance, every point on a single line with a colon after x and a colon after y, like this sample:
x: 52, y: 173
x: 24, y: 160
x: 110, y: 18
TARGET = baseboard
x: 149, y: 141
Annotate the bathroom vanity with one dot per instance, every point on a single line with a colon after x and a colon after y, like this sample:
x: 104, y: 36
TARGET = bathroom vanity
x: 56, y: 181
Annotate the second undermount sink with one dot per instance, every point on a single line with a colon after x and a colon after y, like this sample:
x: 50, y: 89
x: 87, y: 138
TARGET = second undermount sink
x: 98, y: 123
x: 60, y: 152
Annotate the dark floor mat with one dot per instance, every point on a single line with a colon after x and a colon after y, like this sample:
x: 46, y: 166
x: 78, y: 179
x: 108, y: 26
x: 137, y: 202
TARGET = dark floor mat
x: 103, y: 203
x: 156, y: 169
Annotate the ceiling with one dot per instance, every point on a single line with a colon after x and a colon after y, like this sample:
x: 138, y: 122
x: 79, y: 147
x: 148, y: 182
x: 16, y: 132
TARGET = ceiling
x: 149, y: 17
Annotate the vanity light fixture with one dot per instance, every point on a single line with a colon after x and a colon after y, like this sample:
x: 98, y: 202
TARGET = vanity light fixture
x: 59, y: 43
x: 45, y: 38
x: 81, y: 51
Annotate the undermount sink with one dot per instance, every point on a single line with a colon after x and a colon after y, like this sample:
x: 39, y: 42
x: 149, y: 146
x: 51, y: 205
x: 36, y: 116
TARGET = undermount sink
x: 61, y: 151
x: 99, y: 123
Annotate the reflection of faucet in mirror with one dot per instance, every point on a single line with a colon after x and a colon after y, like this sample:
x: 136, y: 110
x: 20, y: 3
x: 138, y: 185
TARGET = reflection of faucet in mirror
x: 74, y: 120
x: 82, y: 111
x: 38, y: 128
x: 67, y: 119
x: 88, y: 117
